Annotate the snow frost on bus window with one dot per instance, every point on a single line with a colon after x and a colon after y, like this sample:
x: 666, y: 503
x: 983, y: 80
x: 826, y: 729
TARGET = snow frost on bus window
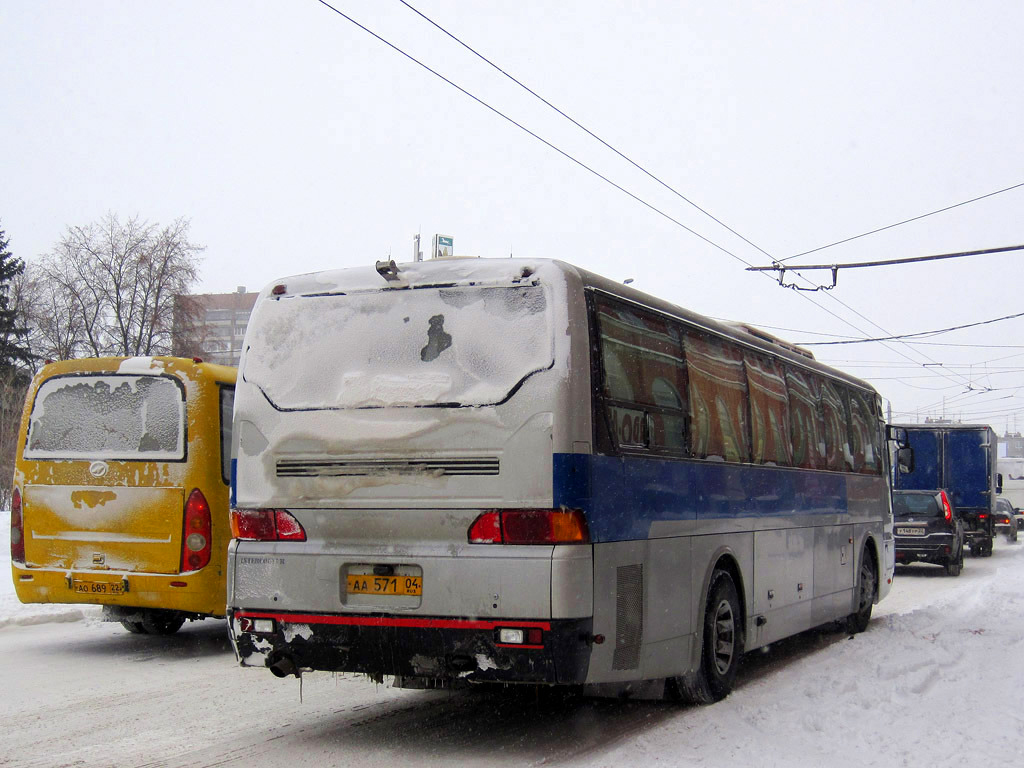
x: 108, y: 417
x: 467, y: 346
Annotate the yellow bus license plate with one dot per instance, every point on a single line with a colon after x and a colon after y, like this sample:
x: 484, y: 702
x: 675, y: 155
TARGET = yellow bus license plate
x: 98, y: 588
x: 366, y: 584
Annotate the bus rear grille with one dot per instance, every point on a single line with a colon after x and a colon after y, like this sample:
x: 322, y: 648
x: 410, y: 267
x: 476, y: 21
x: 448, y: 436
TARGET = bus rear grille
x: 487, y: 465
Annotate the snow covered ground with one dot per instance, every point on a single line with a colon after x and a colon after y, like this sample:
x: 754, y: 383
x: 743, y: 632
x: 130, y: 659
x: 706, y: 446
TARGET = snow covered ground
x: 937, y: 680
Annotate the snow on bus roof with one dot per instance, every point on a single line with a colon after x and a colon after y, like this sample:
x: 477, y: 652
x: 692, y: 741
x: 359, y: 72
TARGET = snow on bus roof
x: 141, y: 365
x: 411, y: 274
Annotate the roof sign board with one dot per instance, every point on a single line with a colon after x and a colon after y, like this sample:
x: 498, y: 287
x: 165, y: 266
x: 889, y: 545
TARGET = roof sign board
x: 444, y: 246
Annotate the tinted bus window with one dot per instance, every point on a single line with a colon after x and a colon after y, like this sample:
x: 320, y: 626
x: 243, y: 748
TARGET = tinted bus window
x: 643, y: 379
x: 837, y: 442
x: 769, y: 412
x: 227, y: 405
x: 807, y: 427
x: 718, y: 399
x: 865, y: 435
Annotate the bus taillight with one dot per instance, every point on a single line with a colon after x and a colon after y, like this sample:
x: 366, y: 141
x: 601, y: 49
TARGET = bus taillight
x: 17, y: 529
x: 530, y: 526
x: 266, y: 525
x: 195, y: 545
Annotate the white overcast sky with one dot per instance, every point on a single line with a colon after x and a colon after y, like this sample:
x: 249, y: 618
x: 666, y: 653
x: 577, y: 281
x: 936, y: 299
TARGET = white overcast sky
x: 294, y: 142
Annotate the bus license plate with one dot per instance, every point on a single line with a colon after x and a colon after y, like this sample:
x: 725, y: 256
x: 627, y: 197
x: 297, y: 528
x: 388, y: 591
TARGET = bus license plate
x: 98, y: 587
x: 910, y: 531
x: 368, y: 584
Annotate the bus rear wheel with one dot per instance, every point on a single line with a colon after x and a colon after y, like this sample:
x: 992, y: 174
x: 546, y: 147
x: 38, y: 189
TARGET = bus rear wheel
x: 866, y: 590
x: 156, y: 622
x: 721, y: 644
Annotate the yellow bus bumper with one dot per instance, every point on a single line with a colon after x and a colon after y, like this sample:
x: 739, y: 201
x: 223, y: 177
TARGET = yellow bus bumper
x: 202, y: 592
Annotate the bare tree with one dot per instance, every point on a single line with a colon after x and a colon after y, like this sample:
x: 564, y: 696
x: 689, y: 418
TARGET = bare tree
x: 190, y: 329
x: 109, y: 287
x: 169, y: 268
x: 56, y: 329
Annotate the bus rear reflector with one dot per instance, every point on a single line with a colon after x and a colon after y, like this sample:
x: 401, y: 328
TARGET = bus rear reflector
x: 195, y: 545
x: 266, y: 525
x: 530, y: 526
x: 17, y: 529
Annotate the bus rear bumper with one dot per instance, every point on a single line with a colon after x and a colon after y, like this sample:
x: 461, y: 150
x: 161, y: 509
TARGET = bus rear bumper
x: 425, y: 648
x: 199, y: 592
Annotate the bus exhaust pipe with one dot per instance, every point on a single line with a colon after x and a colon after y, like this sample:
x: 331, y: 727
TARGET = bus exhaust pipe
x: 282, y: 666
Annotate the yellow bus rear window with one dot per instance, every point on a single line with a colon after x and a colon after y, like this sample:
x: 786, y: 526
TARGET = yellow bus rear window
x: 118, y: 417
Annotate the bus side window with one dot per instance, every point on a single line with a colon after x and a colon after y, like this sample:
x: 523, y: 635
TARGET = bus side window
x: 837, y: 441
x: 769, y: 412
x: 865, y: 434
x: 227, y: 407
x: 718, y: 399
x: 807, y: 426
x: 642, y: 379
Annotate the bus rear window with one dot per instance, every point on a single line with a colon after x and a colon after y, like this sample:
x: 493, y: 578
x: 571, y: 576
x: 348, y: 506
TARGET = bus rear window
x: 457, y: 346
x: 111, y: 417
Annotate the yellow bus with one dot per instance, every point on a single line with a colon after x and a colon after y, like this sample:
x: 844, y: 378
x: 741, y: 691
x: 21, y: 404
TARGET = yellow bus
x: 120, y: 491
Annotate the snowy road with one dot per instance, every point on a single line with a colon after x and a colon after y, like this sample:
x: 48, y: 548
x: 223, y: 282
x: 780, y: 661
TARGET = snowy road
x: 938, y: 679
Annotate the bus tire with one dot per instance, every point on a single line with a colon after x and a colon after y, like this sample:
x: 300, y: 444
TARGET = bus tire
x: 721, y: 644
x: 866, y: 591
x: 162, y: 622
x: 135, y: 627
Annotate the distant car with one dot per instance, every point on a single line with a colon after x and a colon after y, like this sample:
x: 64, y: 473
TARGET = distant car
x: 928, y: 530
x: 1005, y: 519
x: 1018, y: 514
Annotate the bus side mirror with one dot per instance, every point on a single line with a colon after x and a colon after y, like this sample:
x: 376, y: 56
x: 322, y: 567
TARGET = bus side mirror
x: 999, y: 483
x: 897, y: 435
x: 905, y: 460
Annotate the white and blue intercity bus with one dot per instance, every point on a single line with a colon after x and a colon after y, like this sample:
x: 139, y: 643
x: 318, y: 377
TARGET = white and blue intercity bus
x: 517, y: 471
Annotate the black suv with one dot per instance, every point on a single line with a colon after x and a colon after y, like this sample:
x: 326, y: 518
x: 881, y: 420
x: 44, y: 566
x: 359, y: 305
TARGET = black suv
x: 928, y: 529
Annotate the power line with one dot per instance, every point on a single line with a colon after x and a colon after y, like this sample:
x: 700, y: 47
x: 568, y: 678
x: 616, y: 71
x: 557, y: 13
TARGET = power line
x: 889, y: 262
x: 971, y: 346
x: 562, y: 152
x: 526, y: 130
x: 910, y: 335
x: 616, y: 151
x: 981, y: 412
x: 900, y: 223
x: 781, y: 268
x: 890, y: 333
x: 988, y: 370
x: 582, y: 127
x: 601, y: 176
x: 897, y: 364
